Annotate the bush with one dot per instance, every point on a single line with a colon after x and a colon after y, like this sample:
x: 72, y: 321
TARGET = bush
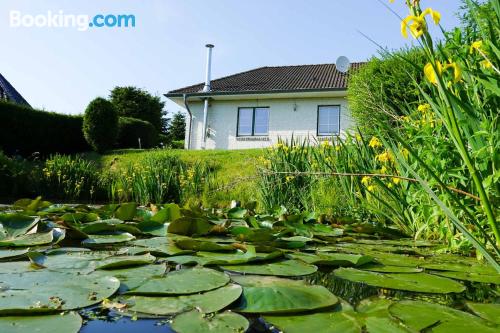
x: 379, y: 89
x: 177, y: 144
x: 130, y: 129
x: 15, y: 177
x: 100, y: 124
x: 24, y: 131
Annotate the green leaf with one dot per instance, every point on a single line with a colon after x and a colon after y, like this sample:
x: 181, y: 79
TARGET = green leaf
x: 474, y: 277
x: 200, y: 245
x: 96, y: 240
x: 196, y: 322
x: 324, y: 322
x: 417, y: 282
x: 332, y: 259
x: 281, y: 268
x: 169, y: 213
x: 183, y: 282
x: 125, y: 261
x: 276, y: 295
x: 14, y: 225
x: 236, y: 213
x: 490, y: 311
x: 189, y: 226
x: 28, y: 239
x: 67, y: 323
x: 133, y: 277
x: 126, y: 211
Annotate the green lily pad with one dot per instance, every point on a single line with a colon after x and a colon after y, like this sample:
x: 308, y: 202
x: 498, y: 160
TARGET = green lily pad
x: 168, y: 213
x: 115, y: 262
x: 390, y: 269
x: 153, y: 228
x: 199, y: 245
x: 15, y: 225
x: 111, y: 225
x: 126, y: 211
x: 207, y: 302
x: 276, y: 295
x: 460, y: 267
x: 67, y: 323
x: 133, y: 277
x: 323, y: 322
x: 392, y: 259
x: 489, y: 311
x: 420, y: 316
x: 474, y: 277
x: 45, y: 291
x: 332, y: 259
x: 189, y: 226
x: 74, y: 262
x: 196, y: 322
x: 28, y: 239
x: 96, y: 240
x: 417, y: 282
x: 282, y: 268
x: 12, y: 254
x: 160, y: 246
x: 384, y: 325
x: 183, y: 282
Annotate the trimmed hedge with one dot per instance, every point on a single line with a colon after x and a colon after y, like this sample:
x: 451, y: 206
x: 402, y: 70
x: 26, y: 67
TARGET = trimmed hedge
x: 130, y: 129
x: 24, y: 131
x: 100, y: 124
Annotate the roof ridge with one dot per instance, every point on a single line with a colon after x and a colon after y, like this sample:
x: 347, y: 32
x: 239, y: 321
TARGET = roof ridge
x: 11, y: 92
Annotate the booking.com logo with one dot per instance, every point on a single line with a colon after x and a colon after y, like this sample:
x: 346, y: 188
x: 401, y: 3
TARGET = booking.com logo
x: 61, y: 20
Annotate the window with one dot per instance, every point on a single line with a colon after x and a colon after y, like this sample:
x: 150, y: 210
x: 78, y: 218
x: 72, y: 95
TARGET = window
x: 253, y: 121
x: 328, y: 119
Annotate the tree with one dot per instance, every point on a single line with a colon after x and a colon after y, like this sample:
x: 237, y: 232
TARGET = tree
x: 137, y: 103
x: 100, y: 124
x: 130, y: 130
x: 177, y: 127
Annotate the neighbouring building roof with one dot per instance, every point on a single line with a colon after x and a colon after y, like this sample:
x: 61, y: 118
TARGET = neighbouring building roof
x: 8, y: 92
x: 276, y: 79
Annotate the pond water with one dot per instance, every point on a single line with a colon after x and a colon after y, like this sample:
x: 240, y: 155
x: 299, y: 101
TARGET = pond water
x: 123, y: 268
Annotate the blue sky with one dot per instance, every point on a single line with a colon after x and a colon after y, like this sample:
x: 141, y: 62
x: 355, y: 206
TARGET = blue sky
x: 62, y: 69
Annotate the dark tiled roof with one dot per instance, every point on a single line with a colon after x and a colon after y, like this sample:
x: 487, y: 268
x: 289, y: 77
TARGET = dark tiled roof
x: 276, y: 79
x: 10, y: 92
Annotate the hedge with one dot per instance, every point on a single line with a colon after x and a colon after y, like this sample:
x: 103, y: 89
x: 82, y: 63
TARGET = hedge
x: 24, y: 131
x: 130, y: 129
x: 100, y: 124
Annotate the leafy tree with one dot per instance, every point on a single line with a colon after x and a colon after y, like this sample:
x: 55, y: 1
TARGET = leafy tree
x: 130, y: 130
x: 177, y: 127
x: 382, y: 87
x: 100, y: 124
x: 137, y: 103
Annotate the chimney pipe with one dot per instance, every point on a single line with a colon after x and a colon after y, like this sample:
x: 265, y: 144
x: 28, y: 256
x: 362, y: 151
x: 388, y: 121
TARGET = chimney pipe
x: 206, y: 89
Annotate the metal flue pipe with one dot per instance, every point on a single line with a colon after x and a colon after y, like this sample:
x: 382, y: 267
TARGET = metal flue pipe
x: 207, y: 89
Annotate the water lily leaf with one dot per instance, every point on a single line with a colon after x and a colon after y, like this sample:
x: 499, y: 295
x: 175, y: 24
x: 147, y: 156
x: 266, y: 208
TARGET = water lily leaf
x: 46, y: 291
x: 417, y: 282
x: 390, y: 269
x: 125, y: 261
x: 80, y: 217
x: 12, y: 254
x: 14, y: 225
x: 183, y: 282
x: 392, y: 259
x: 199, y: 245
x: 277, y: 295
x: 489, y: 311
x: 133, y: 277
x: 384, y: 325
x: 74, y: 262
x: 126, y: 211
x: 323, y: 322
x: 169, y: 213
x: 159, y: 246
x: 332, y: 259
x: 28, y: 239
x: 236, y: 213
x: 96, y: 240
x: 281, y: 268
x: 474, y: 277
x: 190, y: 226
x: 196, y: 322
x: 108, y: 225
x: 16, y: 267
x: 153, y: 228
x: 207, y: 302
x: 461, y: 267
x: 421, y: 315
x: 67, y: 323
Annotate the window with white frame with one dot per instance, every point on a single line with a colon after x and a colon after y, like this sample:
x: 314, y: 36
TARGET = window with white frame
x: 328, y: 120
x: 253, y: 121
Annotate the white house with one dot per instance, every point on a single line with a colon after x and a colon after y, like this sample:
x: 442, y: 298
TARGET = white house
x: 253, y: 109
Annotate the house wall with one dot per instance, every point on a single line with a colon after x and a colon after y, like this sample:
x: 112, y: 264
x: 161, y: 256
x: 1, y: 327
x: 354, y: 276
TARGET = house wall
x: 284, y: 121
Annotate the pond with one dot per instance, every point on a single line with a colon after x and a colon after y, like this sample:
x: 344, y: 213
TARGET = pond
x: 124, y: 268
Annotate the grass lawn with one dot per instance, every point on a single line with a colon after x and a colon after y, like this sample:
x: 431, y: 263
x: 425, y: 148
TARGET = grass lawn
x: 234, y: 168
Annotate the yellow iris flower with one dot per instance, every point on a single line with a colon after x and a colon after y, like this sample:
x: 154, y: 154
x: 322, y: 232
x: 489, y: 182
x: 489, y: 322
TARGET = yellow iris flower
x: 375, y: 143
x: 417, y: 24
x: 424, y: 108
x: 486, y: 64
x: 432, y: 73
x: 365, y: 180
x: 477, y: 45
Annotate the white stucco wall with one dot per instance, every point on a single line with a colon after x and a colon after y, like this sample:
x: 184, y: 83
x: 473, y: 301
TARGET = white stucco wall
x: 284, y: 121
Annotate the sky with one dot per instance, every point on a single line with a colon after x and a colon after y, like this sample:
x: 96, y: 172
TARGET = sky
x: 62, y: 69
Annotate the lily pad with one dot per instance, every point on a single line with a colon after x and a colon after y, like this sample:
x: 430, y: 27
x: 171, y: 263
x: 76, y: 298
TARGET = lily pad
x: 12, y: 254
x: 45, y: 291
x: 210, y: 301
x: 332, y: 259
x: 126, y: 211
x: 183, y: 282
x: 111, y: 225
x: 160, y: 246
x: 276, y: 295
x: 282, y: 268
x: 28, y: 239
x: 460, y: 267
x: 420, y: 316
x: 390, y: 269
x: 115, y: 262
x: 15, y: 225
x: 418, y: 282
x: 489, y: 311
x: 133, y: 277
x: 190, y: 226
x: 67, y: 323
x: 323, y: 322
x: 196, y: 322
x: 96, y: 240
x: 471, y: 276
x: 200, y: 245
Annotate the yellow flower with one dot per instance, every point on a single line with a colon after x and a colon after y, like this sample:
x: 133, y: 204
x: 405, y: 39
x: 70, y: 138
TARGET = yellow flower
x: 383, y: 170
x: 358, y: 137
x: 325, y: 144
x: 337, y: 148
x: 396, y: 180
x: 430, y: 72
x: 424, y: 108
x: 477, y: 45
x: 371, y: 188
x: 374, y: 142
x: 457, y: 72
x: 405, y: 152
x: 289, y: 178
x: 390, y: 185
x: 365, y: 180
x: 486, y: 64
x: 386, y: 156
x: 417, y: 24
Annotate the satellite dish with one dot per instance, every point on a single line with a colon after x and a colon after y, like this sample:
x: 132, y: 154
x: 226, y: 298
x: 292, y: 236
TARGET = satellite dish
x: 342, y: 64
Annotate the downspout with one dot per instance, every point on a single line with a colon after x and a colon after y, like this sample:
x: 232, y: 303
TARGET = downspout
x: 206, y: 89
x: 186, y: 104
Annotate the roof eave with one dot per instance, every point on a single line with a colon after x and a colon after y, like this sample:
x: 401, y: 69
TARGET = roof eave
x: 250, y: 92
